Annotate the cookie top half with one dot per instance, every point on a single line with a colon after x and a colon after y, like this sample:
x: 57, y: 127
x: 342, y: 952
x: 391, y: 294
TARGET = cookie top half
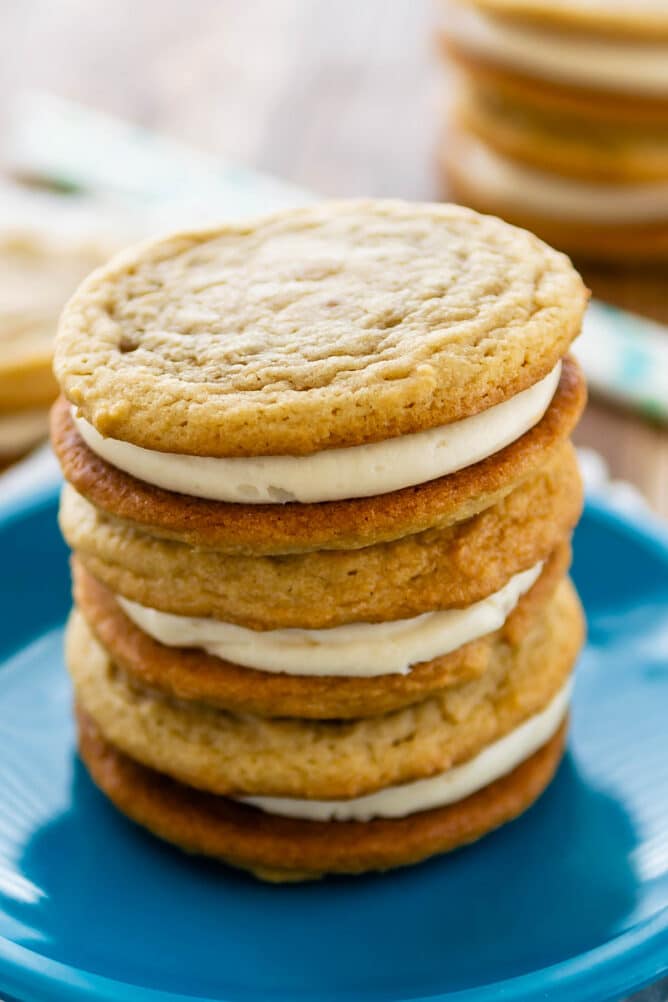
x: 331, y: 325
x: 643, y: 19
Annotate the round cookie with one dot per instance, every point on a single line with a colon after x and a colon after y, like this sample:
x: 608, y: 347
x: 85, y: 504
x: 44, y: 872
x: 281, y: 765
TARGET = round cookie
x: 37, y: 276
x: 438, y: 569
x: 282, y: 849
x: 225, y: 754
x: 294, y: 528
x: 329, y: 326
x: 195, y: 676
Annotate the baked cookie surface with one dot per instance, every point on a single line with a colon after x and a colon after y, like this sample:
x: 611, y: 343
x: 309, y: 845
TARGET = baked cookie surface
x: 328, y: 326
x: 283, y: 849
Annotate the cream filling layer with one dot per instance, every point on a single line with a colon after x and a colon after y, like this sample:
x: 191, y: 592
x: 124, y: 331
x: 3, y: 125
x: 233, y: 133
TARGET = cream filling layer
x: 334, y: 474
x: 530, y: 190
x: 493, y: 762
x: 21, y: 430
x: 636, y: 67
x: 357, y: 650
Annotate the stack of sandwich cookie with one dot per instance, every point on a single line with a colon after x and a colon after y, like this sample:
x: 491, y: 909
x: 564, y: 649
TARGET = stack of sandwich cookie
x: 37, y: 277
x: 320, y: 493
x: 562, y: 120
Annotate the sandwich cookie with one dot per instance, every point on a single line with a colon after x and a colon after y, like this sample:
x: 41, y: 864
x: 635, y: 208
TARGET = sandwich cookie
x: 320, y: 493
x: 593, y: 220
x: 632, y: 63
x: 437, y: 569
x: 292, y: 838
x: 368, y: 409
x: 258, y: 529
x: 353, y: 687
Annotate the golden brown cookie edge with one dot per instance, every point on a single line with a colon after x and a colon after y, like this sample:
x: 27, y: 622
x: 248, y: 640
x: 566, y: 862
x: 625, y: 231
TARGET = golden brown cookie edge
x: 293, y: 527
x: 280, y: 849
x: 193, y: 675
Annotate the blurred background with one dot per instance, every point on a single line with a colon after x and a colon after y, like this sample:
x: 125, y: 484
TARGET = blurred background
x: 340, y: 99
x: 343, y: 98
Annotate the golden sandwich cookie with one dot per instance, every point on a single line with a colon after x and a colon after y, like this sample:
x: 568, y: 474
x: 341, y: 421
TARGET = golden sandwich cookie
x: 452, y: 567
x: 280, y: 849
x: 206, y: 675
x: 320, y: 493
x: 297, y: 527
x: 232, y: 755
x: 280, y: 838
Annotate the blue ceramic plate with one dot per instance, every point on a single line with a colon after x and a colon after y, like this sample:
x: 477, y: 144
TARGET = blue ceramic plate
x: 568, y: 903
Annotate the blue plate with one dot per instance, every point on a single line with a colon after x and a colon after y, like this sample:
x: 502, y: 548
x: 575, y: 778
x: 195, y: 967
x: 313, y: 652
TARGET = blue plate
x: 568, y: 903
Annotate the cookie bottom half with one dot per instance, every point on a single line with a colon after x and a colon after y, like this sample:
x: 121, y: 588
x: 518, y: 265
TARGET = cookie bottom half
x: 282, y: 849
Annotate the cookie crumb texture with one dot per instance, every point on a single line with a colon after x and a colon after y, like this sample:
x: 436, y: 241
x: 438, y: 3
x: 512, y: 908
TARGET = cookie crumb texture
x: 326, y: 326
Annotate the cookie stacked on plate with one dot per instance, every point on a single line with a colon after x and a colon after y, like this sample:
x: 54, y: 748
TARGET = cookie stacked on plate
x: 562, y: 120
x: 320, y: 496
x: 37, y: 276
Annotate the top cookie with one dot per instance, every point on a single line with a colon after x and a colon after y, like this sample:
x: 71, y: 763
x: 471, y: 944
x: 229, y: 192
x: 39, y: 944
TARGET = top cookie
x: 326, y: 326
x: 643, y: 19
x: 37, y: 276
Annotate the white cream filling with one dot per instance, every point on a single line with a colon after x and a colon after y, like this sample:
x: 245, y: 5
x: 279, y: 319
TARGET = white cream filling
x: 334, y: 474
x: 493, y: 762
x: 630, y: 66
x: 21, y: 430
x: 532, y: 190
x: 357, y: 650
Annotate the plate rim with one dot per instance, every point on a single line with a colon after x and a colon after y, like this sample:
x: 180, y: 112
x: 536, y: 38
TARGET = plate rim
x: 635, y: 958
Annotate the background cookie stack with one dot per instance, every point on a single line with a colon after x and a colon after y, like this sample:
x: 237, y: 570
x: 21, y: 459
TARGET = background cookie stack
x: 37, y: 276
x: 562, y: 120
x: 321, y: 493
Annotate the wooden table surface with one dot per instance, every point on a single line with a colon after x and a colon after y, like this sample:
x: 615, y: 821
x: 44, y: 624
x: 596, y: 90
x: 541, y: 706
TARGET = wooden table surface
x: 345, y: 98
